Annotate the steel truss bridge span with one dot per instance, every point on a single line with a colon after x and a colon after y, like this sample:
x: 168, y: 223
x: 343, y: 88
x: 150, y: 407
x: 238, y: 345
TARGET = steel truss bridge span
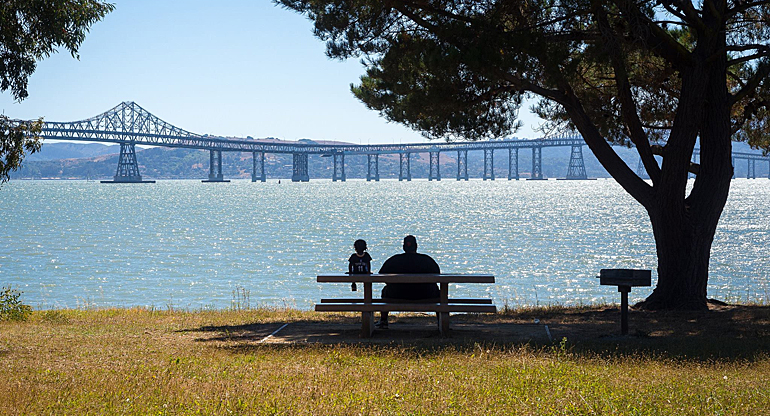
x: 129, y: 124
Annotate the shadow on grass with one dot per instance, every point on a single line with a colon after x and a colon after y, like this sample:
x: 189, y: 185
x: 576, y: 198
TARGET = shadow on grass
x: 725, y: 333
x: 232, y: 333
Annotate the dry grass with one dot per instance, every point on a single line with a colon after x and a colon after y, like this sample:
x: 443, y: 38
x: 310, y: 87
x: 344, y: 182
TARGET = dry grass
x: 136, y: 361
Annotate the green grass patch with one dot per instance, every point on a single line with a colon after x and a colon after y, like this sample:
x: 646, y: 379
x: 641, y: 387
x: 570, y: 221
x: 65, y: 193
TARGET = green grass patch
x: 138, y: 361
x: 11, y: 307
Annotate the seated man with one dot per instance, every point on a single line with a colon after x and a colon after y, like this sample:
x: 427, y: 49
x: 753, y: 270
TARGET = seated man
x: 408, y: 262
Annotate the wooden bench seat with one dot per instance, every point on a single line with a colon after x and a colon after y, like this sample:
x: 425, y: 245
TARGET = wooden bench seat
x: 404, y: 307
x: 375, y: 300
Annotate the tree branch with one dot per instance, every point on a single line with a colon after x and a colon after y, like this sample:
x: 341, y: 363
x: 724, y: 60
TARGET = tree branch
x: 415, y: 18
x: 640, y: 190
x: 747, y: 47
x: 525, y: 85
x: 688, y: 13
x: 741, y: 7
x: 660, y: 41
x: 672, y: 22
x: 747, y: 58
x: 424, y: 5
x: 492, y: 93
x: 736, y: 78
x: 752, y: 84
x: 749, y: 110
x: 656, y: 127
x: 673, y: 11
x: 627, y: 104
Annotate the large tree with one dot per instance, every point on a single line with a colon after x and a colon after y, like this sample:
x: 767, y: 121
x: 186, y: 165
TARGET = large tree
x: 31, y: 30
x: 657, y: 75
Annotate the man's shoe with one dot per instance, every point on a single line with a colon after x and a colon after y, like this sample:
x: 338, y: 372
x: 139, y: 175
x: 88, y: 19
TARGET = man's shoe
x: 381, y: 325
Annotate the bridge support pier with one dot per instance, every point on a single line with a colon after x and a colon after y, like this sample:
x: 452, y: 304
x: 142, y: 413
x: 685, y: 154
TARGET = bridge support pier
x: 462, y: 165
x: 404, y: 173
x: 751, y: 172
x: 215, y: 167
x: 299, y: 168
x: 489, y: 164
x: 339, y: 167
x: 258, y: 165
x: 694, y: 159
x: 435, y: 171
x: 733, y: 167
x: 373, y: 167
x: 641, y: 171
x: 537, y: 164
x: 577, y: 167
x: 513, y: 163
x: 128, y: 168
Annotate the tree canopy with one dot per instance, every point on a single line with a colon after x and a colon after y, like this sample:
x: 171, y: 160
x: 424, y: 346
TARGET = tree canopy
x: 656, y: 75
x: 31, y: 30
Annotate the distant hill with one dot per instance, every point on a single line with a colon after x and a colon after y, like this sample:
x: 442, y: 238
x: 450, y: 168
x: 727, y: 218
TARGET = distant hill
x: 56, y: 151
x: 99, y: 161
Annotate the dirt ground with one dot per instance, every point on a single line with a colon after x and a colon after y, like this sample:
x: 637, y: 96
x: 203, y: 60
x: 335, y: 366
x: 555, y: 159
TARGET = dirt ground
x: 408, y: 329
x: 723, y: 331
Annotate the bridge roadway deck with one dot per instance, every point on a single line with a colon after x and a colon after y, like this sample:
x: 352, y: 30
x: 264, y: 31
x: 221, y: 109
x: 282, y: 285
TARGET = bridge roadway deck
x: 130, y: 123
x: 235, y: 145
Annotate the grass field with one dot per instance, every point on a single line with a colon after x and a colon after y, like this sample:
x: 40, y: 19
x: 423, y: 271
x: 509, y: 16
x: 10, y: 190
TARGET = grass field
x: 138, y: 361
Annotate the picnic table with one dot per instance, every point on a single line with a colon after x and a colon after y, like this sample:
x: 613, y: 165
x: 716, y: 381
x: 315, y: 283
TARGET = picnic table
x: 367, y: 304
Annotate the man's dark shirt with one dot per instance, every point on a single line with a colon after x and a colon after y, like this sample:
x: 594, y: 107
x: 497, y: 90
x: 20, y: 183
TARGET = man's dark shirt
x: 410, y: 263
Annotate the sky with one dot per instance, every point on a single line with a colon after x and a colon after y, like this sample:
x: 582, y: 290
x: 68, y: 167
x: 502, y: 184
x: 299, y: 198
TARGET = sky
x: 227, y: 68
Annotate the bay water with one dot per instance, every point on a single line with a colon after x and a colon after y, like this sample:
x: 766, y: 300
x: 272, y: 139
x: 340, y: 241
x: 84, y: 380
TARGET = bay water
x: 191, y: 245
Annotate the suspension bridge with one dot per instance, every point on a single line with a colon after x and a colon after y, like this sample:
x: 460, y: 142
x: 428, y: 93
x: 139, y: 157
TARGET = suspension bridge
x: 129, y: 125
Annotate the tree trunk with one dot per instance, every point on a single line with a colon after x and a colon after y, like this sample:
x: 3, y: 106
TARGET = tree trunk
x: 683, y: 256
x: 683, y: 243
x: 684, y: 228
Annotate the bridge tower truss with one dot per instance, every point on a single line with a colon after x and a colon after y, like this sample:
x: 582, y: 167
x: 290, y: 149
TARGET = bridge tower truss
x: 537, y: 164
x: 299, y: 168
x: 751, y: 172
x: 128, y: 168
x: 258, y: 167
x: 462, y: 165
x: 489, y: 164
x: 513, y: 163
x: 435, y: 171
x: 404, y: 173
x: 577, y: 167
x: 373, y: 167
x: 339, y: 167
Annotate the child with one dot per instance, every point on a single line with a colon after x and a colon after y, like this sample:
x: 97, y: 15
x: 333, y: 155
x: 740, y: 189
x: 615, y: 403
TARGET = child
x: 360, y: 261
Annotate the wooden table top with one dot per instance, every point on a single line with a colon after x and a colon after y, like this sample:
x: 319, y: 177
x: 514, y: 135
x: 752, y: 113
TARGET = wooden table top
x: 406, y: 278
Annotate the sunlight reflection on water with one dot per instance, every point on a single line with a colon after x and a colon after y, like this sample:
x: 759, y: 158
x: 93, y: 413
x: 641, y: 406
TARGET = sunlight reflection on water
x: 189, y: 244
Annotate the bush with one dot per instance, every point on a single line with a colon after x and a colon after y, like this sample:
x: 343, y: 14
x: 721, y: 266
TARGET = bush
x: 11, y: 308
